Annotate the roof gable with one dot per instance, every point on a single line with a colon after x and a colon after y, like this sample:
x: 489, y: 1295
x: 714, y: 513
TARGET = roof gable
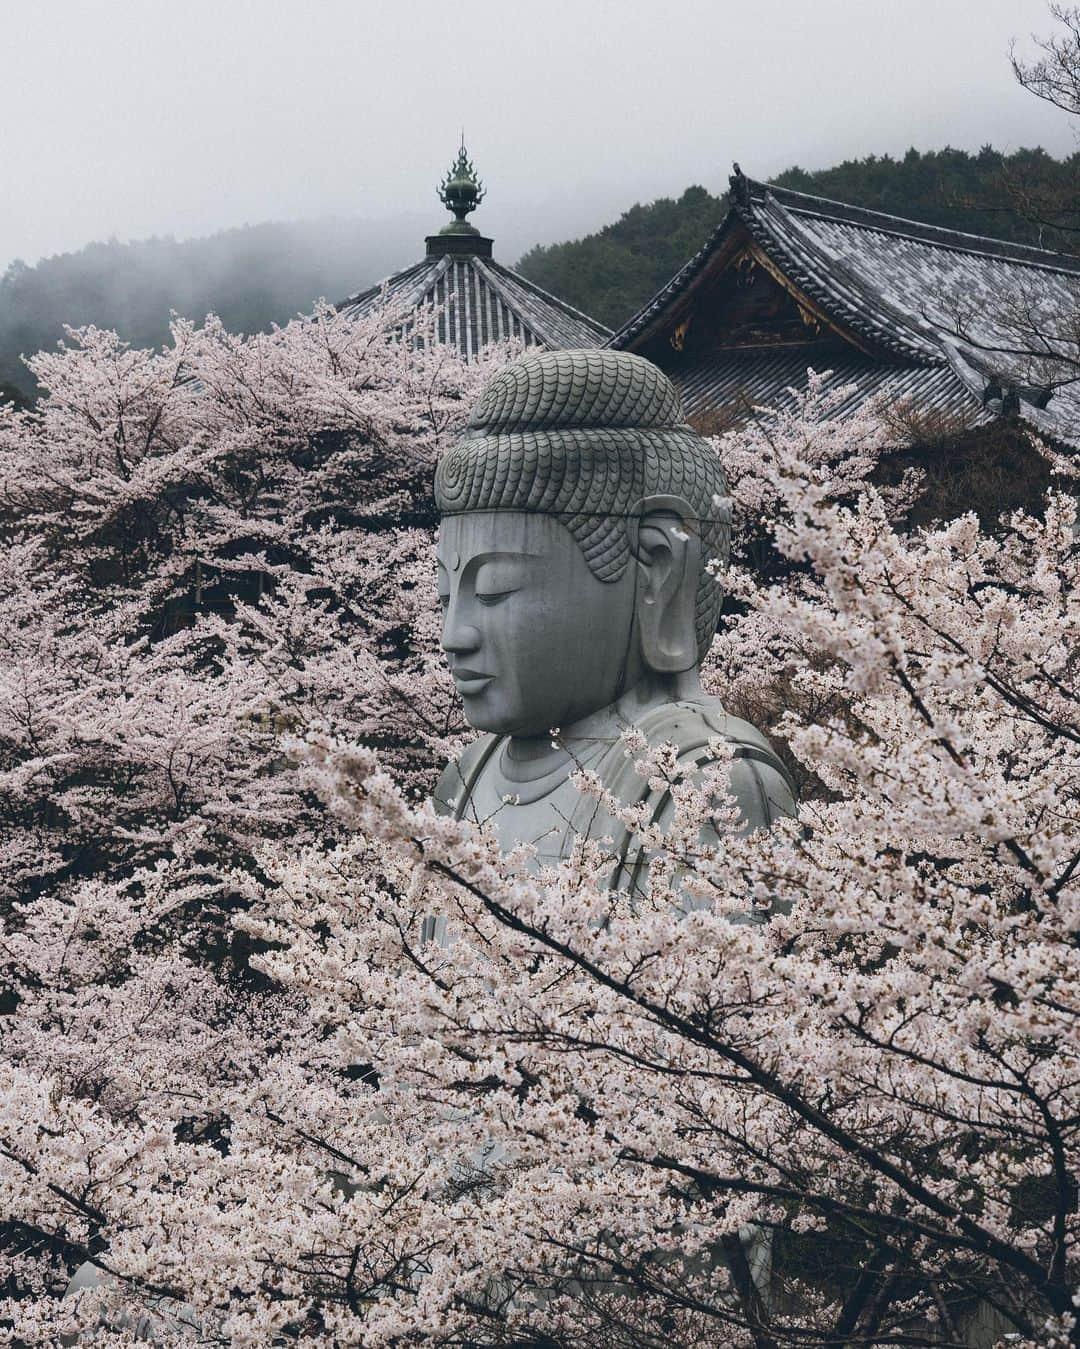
x: 894, y: 289
x: 746, y: 304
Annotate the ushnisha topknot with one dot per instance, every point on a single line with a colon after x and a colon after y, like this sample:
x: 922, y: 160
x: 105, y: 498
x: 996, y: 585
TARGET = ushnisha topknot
x: 577, y: 388
x: 586, y: 436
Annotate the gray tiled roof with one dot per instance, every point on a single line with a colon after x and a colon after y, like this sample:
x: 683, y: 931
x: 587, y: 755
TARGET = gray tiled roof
x: 742, y: 380
x: 896, y: 286
x: 478, y: 301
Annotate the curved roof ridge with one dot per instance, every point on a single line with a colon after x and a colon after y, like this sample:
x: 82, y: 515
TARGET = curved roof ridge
x: 750, y: 200
x: 939, y: 235
x: 840, y: 289
x: 489, y: 265
x: 395, y: 279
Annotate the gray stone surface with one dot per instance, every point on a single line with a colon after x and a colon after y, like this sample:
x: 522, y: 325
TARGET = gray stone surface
x: 580, y: 516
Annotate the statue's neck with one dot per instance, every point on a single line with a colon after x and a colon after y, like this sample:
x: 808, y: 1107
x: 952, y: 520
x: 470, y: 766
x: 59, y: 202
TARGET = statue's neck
x: 528, y: 757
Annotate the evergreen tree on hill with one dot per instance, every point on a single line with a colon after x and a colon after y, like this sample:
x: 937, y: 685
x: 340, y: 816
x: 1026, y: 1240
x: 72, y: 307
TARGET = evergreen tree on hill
x: 604, y: 273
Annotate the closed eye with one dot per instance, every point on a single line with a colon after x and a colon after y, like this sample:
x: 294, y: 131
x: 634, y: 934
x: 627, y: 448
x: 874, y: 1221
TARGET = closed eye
x: 494, y: 597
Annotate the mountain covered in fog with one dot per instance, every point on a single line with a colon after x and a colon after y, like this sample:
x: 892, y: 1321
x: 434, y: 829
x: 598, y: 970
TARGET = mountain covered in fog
x: 264, y: 274
x: 250, y: 277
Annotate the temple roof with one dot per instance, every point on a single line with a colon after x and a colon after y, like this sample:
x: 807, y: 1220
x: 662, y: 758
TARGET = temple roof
x: 889, y: 301
x: 463, y: 297
x: 478, y: 301
x: 746, y: 379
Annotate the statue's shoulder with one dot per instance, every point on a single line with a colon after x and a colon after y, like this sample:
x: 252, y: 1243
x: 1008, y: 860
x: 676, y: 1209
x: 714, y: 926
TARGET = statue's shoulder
x: 690, y: 725
x: 458, y: 777
x: 760, y: 780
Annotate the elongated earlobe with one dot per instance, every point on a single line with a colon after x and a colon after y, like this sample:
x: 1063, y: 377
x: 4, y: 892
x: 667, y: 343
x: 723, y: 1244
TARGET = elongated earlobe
x: 665, y: 542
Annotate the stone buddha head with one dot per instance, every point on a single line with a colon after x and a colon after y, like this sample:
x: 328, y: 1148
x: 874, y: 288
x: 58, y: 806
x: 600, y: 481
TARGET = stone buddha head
x: 579, y: 518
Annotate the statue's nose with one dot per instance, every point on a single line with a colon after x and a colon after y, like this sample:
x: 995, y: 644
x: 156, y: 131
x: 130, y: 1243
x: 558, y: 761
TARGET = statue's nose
x: 457, y: 636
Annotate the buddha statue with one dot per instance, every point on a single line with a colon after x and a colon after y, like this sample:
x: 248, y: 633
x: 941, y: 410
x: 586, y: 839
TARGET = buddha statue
x: 579, y: 518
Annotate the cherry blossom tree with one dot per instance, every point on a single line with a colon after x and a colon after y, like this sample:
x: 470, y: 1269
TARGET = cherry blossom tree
x: 205, y: 546
x: 580, y: 1120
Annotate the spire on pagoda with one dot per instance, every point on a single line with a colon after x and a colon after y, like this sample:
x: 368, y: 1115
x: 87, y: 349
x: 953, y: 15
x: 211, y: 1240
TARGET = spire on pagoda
x: 461, y: 192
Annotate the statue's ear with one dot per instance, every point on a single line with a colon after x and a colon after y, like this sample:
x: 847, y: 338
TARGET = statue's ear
x: 664, y: 539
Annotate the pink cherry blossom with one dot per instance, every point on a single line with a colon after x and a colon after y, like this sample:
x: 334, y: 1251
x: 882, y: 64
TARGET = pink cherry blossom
x: 815, y: 1086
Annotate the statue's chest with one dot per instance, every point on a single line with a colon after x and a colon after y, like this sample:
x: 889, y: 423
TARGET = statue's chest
x: 538, y: 813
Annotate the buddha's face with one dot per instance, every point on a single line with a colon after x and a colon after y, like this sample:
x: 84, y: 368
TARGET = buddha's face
x: 533, y: 639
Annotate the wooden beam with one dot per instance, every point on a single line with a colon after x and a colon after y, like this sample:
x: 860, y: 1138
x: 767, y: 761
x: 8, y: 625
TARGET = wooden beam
x: 739, y: 243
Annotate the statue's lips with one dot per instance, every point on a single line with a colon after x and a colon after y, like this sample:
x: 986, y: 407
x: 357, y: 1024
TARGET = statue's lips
x: 470, y: 682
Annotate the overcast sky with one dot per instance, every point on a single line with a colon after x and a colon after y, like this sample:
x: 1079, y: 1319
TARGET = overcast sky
x: 139, y: 117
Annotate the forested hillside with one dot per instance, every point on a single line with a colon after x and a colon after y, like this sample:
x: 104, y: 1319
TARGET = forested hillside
x: 610, y: 274
x: 263, y: 274
x: 250, y: 278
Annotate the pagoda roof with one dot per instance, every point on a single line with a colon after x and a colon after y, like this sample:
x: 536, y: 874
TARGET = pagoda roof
x: 890, y: 292
x: 470, y: 301
x: 461, y: 297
